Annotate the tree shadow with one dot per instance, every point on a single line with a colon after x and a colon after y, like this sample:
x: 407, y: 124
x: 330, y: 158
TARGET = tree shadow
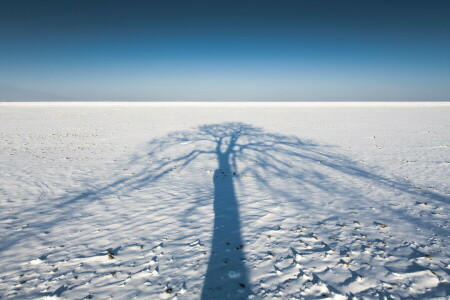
x: 226, y: 272
x: 240, y: 150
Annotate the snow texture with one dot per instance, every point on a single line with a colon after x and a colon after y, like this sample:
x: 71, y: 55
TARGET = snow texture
x: 239, y: 202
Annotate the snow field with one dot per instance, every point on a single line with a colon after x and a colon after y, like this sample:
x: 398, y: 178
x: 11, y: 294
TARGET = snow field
x: 120, y: 202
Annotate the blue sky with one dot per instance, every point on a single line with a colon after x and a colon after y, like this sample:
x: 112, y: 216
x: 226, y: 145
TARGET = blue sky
x: 225, y: 50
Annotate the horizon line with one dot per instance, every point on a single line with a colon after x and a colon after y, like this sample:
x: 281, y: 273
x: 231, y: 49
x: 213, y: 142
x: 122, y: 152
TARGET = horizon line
x: 225, y: 103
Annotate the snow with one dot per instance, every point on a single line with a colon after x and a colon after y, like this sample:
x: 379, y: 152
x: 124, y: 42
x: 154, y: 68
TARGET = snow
x: 224, y: 200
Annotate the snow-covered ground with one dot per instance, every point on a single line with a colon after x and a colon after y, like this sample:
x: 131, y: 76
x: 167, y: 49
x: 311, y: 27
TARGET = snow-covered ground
x: 254, y: 201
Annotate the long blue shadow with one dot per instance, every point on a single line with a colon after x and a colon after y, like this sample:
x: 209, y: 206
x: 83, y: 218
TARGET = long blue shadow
x: 226, y: 275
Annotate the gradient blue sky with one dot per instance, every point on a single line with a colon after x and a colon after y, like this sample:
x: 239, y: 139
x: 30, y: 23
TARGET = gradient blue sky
x: 224, y: 50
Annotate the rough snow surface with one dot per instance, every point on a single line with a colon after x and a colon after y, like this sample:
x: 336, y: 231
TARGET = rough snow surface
x: 224, y: 202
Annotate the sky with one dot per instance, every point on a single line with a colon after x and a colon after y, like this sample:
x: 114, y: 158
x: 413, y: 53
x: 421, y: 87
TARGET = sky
x: 172, y: 50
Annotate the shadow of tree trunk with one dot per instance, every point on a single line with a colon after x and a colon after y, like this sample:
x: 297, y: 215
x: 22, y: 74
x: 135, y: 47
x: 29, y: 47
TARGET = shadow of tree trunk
x: 226, y: 274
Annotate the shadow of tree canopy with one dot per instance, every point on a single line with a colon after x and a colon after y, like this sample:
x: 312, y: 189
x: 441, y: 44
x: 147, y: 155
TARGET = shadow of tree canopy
x: 270, y: 155
x: 244, y: 151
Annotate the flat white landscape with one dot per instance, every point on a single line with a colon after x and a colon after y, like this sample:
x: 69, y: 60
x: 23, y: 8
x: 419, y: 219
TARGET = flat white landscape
x: 217, y: 201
